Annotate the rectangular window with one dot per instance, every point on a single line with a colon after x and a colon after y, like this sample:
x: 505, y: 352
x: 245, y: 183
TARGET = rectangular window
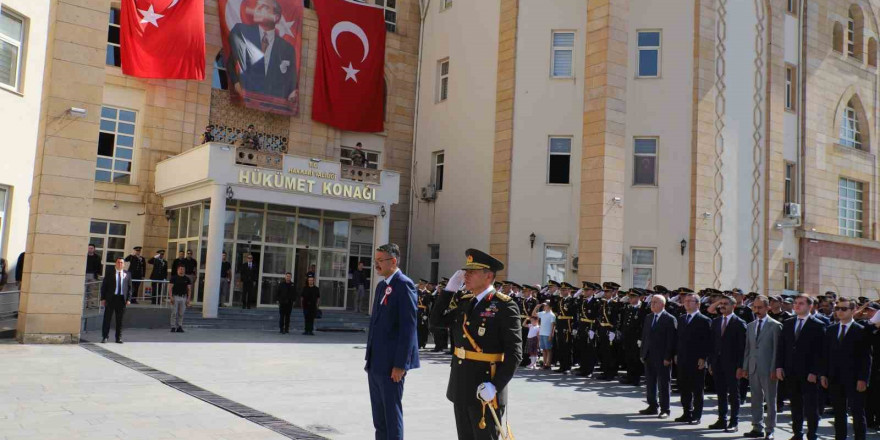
x: 438, y: 160
x: 563, y: 54
x: 109, y: 241
x: 789, y: 275
x: 390, y: 7
x: 4, y: 208
x: 790, y: 184
x: 851, y: 37
x: 645, y: 161
x: 435, y: 262
x: 642, y: 267
x: 558, y: 170
x: 12, y: 29
x: 555, y: 258
x: 115, y: 145
x: 850, y: 207
x: 790, y: 87
x: 371, y: 156
x: 791, y: 7
x: 113, y: 57
x: 445, y: 4
x: 442, y: 80
x: 648, y: 65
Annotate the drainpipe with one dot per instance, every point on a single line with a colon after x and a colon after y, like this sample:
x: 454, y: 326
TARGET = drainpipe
x: 801, y: 142
x: 425, y: 6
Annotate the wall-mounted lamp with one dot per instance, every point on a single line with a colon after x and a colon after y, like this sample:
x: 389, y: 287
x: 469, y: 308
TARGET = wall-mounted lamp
x: 532, y: 238
x: 229, y: 194
x: 707, y: 215
x: 683, y: 244
x: 77, y: 112
x: 617, y: 201
x: 382, y: 211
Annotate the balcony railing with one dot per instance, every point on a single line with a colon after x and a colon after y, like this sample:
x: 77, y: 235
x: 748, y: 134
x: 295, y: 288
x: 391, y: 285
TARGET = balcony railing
x: 361, y: 174
x: 258, y: 158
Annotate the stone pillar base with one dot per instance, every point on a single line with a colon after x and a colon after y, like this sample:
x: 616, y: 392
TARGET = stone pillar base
x: 42, y: 338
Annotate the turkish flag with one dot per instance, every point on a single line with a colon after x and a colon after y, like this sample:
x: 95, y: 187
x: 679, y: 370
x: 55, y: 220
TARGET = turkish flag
x: 163, y: 38
x: 349, y: 89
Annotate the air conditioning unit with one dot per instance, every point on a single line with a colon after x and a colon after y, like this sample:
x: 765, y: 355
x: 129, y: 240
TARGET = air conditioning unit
x: 793, y: 210
x: 429, y: 192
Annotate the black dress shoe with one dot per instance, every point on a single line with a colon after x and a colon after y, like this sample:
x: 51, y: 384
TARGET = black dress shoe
x: 649, y: 411
x: 119, y: 341
x: 663, y: 415
x: 683, y: 419
x: 754, y: 434
x: 173, y: 329
x: 694, y: 422
x: 720, y: 424
x: 732, y: 427
x: 179, y: 329
x: 797, y: 437
x: 103, y: 340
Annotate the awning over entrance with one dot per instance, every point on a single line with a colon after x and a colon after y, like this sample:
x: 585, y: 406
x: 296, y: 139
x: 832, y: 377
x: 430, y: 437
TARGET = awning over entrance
x: 217, y: 174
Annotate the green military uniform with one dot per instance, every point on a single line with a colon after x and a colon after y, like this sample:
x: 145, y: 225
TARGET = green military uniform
x: 488, y: 348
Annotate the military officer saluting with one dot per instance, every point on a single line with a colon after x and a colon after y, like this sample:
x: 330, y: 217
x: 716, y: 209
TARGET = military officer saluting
x: 485, y: 327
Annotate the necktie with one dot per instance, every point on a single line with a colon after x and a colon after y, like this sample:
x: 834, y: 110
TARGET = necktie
x: 842, y: 333
x: 264, y: 44
x: 119, y: 283
x: 689, y: 319
x: 797, y: 330
x: 655, y: 322
x: 723, y: 326
x: 758, y: 333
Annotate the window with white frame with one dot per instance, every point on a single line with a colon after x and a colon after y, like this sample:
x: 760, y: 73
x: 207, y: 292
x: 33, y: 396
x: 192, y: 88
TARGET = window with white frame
x: 390, y: 7
x: 851, y: 35
x: 4, y: 206
x: 645, y: 161
x: 555, y: 258
x: 12, y: 30
x: 850, y: 135
x: 434, y: 250
x: 559, y: 163
x: 790, y: 175
x: 372, y: 157
x: 442, y: 80
x: 108, y: 237
x: 563, y: 54
x: 648, y: 65
x: 113, y: 57
x: 850, y: 207
x: 445, y: 4
x: 790, y: 87
x: 438, y: 160
x: 115, y: 145
x: 642, y: 267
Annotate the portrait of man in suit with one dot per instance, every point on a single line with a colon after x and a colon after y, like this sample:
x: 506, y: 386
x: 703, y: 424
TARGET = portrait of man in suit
x: 261, y: 61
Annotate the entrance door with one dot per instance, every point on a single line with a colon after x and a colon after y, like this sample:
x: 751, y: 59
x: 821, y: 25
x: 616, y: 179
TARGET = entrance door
x: 306, y: 261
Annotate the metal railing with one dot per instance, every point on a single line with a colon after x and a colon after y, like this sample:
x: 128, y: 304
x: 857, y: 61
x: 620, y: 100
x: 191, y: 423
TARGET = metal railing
x: 9, y: 303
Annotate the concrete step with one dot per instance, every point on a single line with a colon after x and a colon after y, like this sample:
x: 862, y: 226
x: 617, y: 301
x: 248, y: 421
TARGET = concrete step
x: 7, y: 328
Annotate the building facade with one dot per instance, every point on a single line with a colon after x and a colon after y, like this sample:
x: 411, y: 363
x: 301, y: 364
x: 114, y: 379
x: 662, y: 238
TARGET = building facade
x: 713, y: 144
x: 120, y: 162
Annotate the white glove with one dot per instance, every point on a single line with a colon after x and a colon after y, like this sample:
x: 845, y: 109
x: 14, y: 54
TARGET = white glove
x: 574, y: 332
x: 639, y: 343
x: 592, y: 334
x: 486, y: 391
x: 456, y: 281
x: 875, y: 319
x: 611, y: 337
x: 579, y: 293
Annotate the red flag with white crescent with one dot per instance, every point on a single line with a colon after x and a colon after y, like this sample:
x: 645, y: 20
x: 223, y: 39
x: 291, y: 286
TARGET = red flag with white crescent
x: 163, y: 39
x: 349, y: 88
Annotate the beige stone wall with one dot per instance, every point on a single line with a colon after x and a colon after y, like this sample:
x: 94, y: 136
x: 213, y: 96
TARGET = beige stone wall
x: 774, y: 177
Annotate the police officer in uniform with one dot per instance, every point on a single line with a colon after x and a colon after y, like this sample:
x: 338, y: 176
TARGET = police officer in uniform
x: 606, y: 333
x: 565, y: 316
x: 485, y: 327
x: 630, y: 327
x: 137, y: 267
x: 424, y: 300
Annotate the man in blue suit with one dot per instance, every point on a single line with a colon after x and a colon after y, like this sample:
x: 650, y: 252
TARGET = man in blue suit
x: 725, y: 363
x: 847, y: 369
x: 392, y: 346
x: 694, y: 346
x: 657, y: 352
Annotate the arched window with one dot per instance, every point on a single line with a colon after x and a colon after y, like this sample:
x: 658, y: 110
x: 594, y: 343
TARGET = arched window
x: 872, y: 52
x: 855, y: 32
x: 837, y: 38
x: 850, y: 126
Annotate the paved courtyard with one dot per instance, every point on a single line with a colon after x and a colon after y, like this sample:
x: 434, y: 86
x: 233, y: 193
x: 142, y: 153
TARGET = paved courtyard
x: 316, y: 383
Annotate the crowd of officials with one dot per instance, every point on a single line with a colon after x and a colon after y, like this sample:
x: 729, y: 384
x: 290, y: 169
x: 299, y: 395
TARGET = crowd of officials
x: 811, y: 352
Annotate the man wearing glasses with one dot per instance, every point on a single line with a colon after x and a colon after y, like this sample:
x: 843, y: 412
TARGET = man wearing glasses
x: 392, y: 346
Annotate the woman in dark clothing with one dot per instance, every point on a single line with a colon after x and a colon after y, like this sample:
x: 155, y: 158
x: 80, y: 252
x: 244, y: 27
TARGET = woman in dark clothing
x: 310, y: 296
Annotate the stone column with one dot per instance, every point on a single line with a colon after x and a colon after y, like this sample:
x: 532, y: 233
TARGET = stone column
x: 51, y: 304
x: 214, y: 256
x: 604, y: 146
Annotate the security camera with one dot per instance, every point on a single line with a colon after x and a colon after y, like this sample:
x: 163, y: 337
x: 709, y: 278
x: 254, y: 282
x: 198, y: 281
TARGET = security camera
x: 77, y: 112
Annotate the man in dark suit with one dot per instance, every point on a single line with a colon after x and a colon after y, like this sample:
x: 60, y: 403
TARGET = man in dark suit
x: 657, y: 352
x: 694, y: 346
x: 847, y: 368
x: 285, y: 294
x: 392, y: 346
x: 728, y: 350
x: 485, y: 329
x: 115, y: 295
x: 260, y: 60
x: 799, y: 364
x: 249, y: 275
